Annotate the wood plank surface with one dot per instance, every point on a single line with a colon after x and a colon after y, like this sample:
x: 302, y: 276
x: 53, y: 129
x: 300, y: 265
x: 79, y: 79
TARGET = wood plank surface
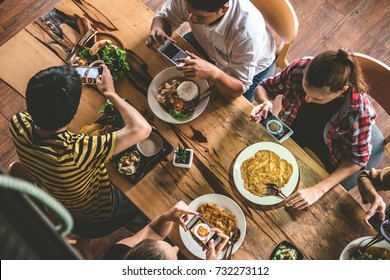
x: 321, y: 232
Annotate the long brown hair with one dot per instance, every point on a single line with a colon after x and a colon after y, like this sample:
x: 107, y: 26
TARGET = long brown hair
x: 334, y: 70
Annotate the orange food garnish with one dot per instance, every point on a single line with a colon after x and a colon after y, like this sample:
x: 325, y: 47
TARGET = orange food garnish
x: 178, y: 105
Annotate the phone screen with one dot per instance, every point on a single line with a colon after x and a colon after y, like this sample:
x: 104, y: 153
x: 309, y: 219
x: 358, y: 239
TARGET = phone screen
x: 375, y: 221
x: 88, y: 74
x: 276, y: 127
x: 173, y: 52
x: 201, y: 230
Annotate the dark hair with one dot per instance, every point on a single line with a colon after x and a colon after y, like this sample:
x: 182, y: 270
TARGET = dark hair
x: 53, y: 96
x: 334, y: 70
x: 148, y: 249
x: 207, y: 5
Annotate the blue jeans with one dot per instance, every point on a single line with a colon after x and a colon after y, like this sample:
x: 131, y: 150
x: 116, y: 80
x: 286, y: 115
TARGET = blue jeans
x: 249, y: 94
x: 122, y: 205
x: 378, y: 149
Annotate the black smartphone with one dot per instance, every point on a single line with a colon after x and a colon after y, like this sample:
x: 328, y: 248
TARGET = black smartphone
x: 172, y: 52
x: 375, y: 221
x: 202, y: 232
x: 89, y: 74
x: 275, y: 127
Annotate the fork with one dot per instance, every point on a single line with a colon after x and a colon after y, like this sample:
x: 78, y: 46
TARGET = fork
x: 355, y: 253
x: 274, y: 190
x: 234, y: 236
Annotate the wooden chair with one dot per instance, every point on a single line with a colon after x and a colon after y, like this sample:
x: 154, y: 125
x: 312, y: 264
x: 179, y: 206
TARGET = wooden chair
x: 281, y: 17
x: 83, y: 245
x: 377, y: 77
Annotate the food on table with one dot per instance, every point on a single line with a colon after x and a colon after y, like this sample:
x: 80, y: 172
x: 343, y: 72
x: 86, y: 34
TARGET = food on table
x: 82, y: 61
x: 177, y: 97
x: 151, y: 145
x: 111, y: 115
x: 129, y: 162
x: 96, y: 129
x: 285, y: 253
x: 217, y: 217
x: 113, y: 57
x: 98, y: 45
x: 375, y: 253
x: 187, y: 91
x: 263, y: 168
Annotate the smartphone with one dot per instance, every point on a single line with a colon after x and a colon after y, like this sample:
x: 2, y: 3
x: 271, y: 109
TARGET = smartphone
x: 376, y: 222
x: 89, y: 74
x: 275, y: 127
x: 201, y: 231
x: 172, y: 52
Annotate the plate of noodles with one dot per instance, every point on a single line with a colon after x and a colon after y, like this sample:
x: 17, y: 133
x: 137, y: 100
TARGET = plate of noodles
x: 175, y: 99
x: 262, y: 163
x: 219, y: 211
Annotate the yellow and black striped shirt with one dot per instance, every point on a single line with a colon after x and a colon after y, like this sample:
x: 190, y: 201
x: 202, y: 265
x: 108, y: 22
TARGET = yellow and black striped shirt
x: 70, y: 167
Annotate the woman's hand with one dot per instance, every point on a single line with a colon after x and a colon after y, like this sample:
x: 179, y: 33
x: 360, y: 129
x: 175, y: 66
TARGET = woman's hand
x: 196, y: 68
x: 304, y: 198
x: 260, y: 111
x: 213, y: 251
x: 179, y: 214
x: 104, y: 82
x: 377, y: 205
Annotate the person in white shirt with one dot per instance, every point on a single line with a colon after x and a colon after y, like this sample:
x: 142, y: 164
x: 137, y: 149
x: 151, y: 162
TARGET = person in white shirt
x: 233, y: 35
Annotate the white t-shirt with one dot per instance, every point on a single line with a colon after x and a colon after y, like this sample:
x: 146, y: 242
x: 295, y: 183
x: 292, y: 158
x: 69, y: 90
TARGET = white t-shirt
x: 240, y: 43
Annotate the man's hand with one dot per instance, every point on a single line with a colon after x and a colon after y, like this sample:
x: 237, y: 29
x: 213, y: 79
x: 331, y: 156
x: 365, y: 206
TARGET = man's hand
x: 213, y: 251
x: 196, y: 68
x: 377, y: 205
x: 156, y: 38
x: 179, y: 214
x: 104, y: 82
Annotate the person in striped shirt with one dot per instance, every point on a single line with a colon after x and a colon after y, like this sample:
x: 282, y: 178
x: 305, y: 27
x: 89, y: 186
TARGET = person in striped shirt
x: 71, y: 166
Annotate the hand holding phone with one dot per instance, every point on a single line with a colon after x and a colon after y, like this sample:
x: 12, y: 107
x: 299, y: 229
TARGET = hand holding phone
x: 260, y: 111
x: 89, y: 74
x: 202, y: 232
x: 275, y: 127
x: 375, y: 221
x: 172, y: 52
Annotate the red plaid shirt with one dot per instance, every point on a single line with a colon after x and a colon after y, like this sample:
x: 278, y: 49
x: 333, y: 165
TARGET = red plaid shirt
x: 347, y: 134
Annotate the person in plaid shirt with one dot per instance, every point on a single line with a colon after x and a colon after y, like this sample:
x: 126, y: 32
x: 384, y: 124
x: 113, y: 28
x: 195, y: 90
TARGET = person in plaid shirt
x: 324, y: 103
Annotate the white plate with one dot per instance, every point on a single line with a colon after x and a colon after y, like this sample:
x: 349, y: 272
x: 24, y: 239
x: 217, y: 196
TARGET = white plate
x: 361, y: 242
x: 250, y: 151
x: 164, y: 76
x: 225, y: 203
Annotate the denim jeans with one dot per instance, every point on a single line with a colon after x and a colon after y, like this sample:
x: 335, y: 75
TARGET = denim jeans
x: 249, y: 94
x: 377, y: 153
x: 123, y: 205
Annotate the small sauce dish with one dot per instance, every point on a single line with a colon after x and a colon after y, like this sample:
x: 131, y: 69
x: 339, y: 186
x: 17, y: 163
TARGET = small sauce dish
x: 151, y: 145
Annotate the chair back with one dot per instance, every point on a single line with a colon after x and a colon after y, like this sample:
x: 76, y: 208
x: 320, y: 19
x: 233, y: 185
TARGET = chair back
x: 281, y: 17
x: 377, y: 77
x: 16, y: 169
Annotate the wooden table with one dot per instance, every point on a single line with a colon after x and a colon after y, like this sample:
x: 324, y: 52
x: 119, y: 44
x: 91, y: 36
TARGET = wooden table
x: 217, y: 137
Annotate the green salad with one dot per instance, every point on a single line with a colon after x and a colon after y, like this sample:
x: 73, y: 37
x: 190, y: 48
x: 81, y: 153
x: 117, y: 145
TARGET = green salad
x: 285, y: 253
